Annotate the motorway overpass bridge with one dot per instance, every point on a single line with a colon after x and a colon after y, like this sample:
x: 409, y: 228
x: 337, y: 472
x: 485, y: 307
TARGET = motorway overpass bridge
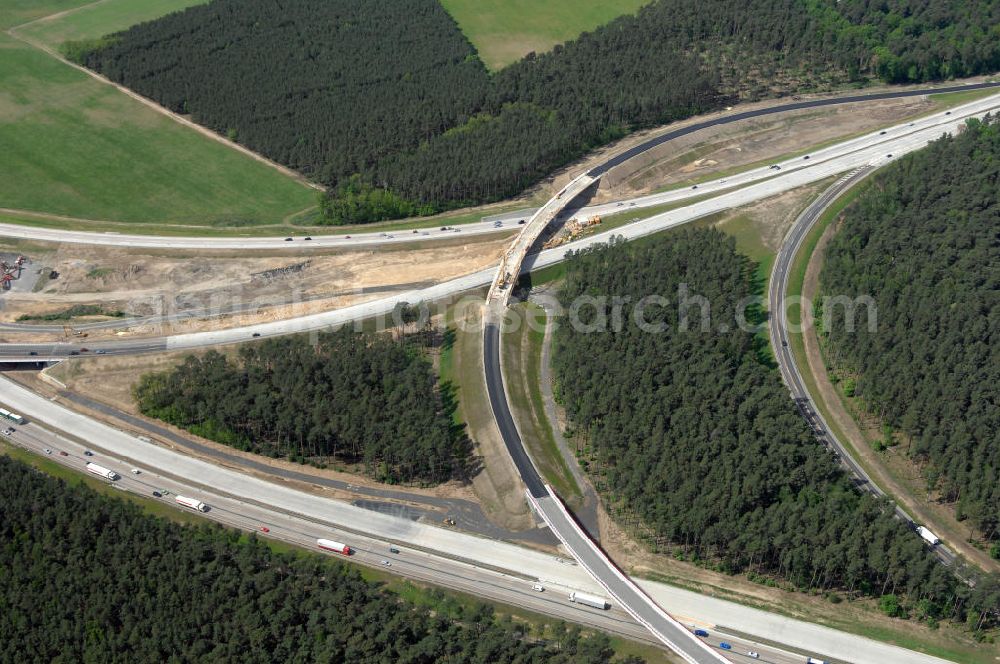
x: 545, y: 502
x: 542, y: 498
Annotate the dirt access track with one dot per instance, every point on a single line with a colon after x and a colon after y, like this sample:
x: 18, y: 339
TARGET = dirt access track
x: 203, y: 290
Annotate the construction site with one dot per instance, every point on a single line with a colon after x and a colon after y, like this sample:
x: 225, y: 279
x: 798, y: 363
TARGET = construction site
x: 10, y: 271
x: 67, y: 291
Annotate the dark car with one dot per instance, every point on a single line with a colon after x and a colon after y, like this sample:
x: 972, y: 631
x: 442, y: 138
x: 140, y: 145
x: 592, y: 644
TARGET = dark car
x: 32, y: 353
x: 88, y: 453
x: 288, y: 239
x: 255, y: 335
x: 806, y: 157
x: 700, y: 632
x: 63, y: 453
x: 307, y: 238
x: 157, y: 494
x: 725, y: 646
x: 74, y: 352
x: 881, y: 133
x: 695, y: 187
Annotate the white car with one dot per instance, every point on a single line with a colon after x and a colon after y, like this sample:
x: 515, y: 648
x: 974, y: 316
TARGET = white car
x: 136, y: 471
x: 753, y: 654
x: 537, y: 587
x: 8, y: 431
x: 387, y: 563
x: 47, y: 451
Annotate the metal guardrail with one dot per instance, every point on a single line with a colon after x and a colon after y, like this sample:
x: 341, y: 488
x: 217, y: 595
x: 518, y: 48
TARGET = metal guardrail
x: 622, y: 578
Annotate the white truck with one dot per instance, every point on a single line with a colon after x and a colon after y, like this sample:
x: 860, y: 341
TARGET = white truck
x: 193, y: 503
x: 589, y: 600
x: 106, y: 473
x: 928, y: 536
x: 336, y: 547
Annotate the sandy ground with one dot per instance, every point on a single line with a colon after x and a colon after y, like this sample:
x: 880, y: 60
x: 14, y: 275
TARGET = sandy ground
x: 228, y: 289
x: 842, y: 121
x: 690, y: 158
x: 498, y: 485
x: 636, y: 559
x: 891, y: 470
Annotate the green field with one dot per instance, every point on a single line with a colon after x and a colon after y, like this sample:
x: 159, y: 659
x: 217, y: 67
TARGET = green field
x: 17, y: 12
x: 505, y: 30
x: 98, y: 19
x: 76, y: 147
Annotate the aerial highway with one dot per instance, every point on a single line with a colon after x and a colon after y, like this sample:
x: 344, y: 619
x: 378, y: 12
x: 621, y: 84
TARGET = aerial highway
x: 486, y: 567
x: 722, y: 194
x: 790, y: 373
x: 543, y: 500
x: 873, y: 148
x: 502, y: 223
x: 545, y: 503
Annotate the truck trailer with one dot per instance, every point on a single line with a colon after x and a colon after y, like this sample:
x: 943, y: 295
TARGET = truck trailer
x: 589, y: 600
x: 928, y: 536
x: 336, y: 547
x: 193, y: 503
x: 106, y: 473
x: 13, y: 417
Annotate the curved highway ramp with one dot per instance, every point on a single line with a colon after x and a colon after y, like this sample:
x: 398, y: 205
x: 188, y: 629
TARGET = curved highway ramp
x: 547, y: 504
x: 541, y: 497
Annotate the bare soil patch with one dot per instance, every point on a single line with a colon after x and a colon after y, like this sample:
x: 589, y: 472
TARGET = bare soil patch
x: 227, y: 289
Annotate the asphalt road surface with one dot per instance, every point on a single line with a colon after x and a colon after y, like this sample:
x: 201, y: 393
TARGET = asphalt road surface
x: 488, y: 226
x: 814, y: 103
x: 873, y: 149
x: 502, y: 415
x: 778, y: 324
x: 274, y: 503
x: 544, y: 501
x: 468, y: 515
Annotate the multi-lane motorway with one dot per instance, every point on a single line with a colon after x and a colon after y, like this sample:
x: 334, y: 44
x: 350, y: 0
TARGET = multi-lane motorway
x: 875, y: 147
x: 778, y: 323
x: 640, y: 600
x: 489, y: 568
x: 541, y: 497
x: 507, y: 221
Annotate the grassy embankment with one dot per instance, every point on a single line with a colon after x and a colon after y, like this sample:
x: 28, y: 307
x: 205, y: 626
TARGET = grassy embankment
x: 522, y: 366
